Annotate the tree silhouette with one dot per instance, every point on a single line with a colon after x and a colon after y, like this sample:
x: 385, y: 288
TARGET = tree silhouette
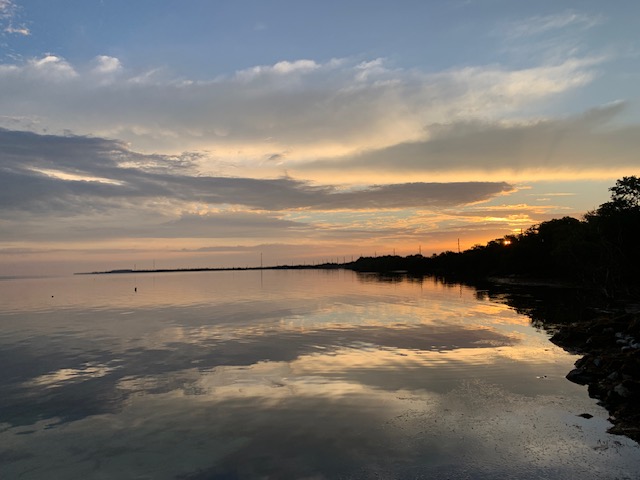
x: 599, y: 252
x: 626, y: 193
x: 625, y: 198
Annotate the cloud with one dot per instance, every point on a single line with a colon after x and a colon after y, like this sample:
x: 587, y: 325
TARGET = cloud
x: 551, y: 39
x: 52, y: 187
x: 18, y: 30
x: 49, y: 69
x: 77, y: 167
x: 418, y: 194
x: 303, y: 107
x: 107, y: 65
x: 229, y: 142
x: 227, y: 225
x: 590, y: 142
x: 544, y: 24
x: 7, y: 8
x: 8, y: 15
x: 278, y: 70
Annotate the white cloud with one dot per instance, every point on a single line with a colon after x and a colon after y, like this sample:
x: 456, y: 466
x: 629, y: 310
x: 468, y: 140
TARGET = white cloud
x: 8, y: 15
x: 371, y: 68
x: 7, y: 8
x: 551, y: 39
x: 279, y: 69
x: 544, y: 24
x: 47, y: 69
x: 22, y: 30
x: 304, y: 108
x: 106, y: 65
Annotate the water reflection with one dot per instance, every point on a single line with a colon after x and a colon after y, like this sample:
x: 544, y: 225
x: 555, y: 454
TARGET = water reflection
x: 298, y: 374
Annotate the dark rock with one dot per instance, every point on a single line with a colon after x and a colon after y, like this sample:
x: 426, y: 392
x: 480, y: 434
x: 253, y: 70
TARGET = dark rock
x: 598, y: 390
x: 570, y: 338
x: 633, y: 387
x: 610, y: 365
x: 617, y: 387
x: 581, y: 376
x: 631, y: 366
x: 622, y: 391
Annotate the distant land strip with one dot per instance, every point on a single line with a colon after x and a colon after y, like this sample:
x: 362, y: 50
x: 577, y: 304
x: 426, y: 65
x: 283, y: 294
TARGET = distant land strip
x: 324, y: 266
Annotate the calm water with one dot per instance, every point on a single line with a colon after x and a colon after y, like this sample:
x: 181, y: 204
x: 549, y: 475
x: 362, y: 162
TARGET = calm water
x: 286, y: 374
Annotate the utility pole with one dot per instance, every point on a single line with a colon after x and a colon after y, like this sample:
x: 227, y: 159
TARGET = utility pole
x: 458, y: 245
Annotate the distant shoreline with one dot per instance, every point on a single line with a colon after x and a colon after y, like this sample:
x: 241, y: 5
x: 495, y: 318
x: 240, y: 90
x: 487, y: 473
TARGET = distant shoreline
x: 325, y: 266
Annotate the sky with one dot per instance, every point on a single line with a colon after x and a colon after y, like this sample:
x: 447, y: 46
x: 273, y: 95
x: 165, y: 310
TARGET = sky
x: 167, y: 134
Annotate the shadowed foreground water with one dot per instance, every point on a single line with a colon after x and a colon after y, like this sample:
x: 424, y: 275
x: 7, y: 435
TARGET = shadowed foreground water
x: 286, y: 374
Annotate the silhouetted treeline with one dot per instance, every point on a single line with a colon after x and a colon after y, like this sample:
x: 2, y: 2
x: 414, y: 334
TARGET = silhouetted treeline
x: 601, y: 251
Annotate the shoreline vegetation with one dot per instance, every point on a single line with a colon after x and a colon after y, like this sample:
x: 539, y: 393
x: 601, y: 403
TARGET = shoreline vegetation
x: 598, y: 256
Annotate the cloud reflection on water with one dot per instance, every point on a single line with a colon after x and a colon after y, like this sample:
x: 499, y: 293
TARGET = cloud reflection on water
x: 244, y: 423
x: 406, y: 378
x: 60, y: 377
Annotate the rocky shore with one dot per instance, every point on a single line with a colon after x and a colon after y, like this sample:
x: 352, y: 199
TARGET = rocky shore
x: 610, y: 366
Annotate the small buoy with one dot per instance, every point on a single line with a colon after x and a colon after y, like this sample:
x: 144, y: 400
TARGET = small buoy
x: 135, y: 289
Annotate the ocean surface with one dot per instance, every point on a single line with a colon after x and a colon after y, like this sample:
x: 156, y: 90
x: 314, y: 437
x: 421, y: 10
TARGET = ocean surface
x: 287, y: 374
